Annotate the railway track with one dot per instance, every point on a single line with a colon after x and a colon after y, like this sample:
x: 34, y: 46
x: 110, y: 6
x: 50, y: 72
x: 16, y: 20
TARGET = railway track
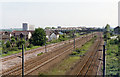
x: 39, y: 61
x: 35, y: 50
x: 89, y: 64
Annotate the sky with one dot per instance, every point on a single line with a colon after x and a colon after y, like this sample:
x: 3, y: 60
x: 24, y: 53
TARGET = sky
x: 53, y: 13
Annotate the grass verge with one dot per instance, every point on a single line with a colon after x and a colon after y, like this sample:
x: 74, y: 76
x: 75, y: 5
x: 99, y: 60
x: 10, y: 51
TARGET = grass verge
x: 15, y: 52
x: 112, y: 60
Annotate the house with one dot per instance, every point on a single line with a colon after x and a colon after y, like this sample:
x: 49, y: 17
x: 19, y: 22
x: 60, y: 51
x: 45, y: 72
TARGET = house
x: 22, y: 34
x: 117, y: 30
x: 51, y: 35
x: 5, y: 36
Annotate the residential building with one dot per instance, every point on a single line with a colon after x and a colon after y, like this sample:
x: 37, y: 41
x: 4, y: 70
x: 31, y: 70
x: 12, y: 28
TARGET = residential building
x: 51, y: 35
x: 117, y: 30
x: 24, y: 34
x: 5, y: 36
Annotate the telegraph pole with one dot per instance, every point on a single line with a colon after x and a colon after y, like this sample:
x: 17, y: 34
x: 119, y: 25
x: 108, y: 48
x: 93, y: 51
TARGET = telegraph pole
x: 22, y: 60
x: 74, y: 40
x: 25, y: 42
x: 103, y: 60
x: 45, y: 43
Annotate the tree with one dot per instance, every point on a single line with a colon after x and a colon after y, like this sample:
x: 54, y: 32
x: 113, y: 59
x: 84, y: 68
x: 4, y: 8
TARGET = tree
x: 62, y: 38
x: 38, y: 37
x: 53, y: 27
x: 48, y: 28
x: 20, y: 42
x: 71, y: 34
x: 8, y: 44
x: 107, y: 32
x: 13, y: 41
x: 107, y: 28
x: 12, y: 37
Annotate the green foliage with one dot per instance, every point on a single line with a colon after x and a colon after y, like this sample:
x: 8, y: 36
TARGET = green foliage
x: 30, y: 45
x: 47, y: 27
x: 55, y: 41
x: 53, y: 27
x: 7, y: 44
x: 71, y: 34
x: 107, y: 28
x: 112, y: 58
x: 38, y: 37
x: 118, y: 38
x: 62, y: 38
x: 13, y: 49
x: 81, y: 51
x: 4, y: 48
x: 13, y: 41
x: 74, y: 53
x: 106, y: 36
x: 40, y: 54
x: 78, y: 50
x: 113, y: 41
x: 12, y: 37
x: 20, y: 43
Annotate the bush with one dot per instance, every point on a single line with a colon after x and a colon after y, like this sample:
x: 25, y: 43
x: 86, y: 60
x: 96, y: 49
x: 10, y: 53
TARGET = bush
x: 8, y: 44
x: 20, y: 43
x: 74, y: 53
x: 13, y: 49
x: 113, y: 41
x: 78, y: 50
x: 30, y: 45
x: 40, y: 54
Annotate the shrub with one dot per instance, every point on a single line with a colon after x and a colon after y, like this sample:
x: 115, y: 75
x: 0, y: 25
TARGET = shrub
x: 78, y: 50
x: 40, y: 54
x: 30, y: 45
x: 74, y: 53
x: 13, y: 49
x: 7, y: 44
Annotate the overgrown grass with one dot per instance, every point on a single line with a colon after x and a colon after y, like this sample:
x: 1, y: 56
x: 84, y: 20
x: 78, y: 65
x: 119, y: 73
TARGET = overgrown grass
x: 112, y: 61
x: 67, y: 63
x: 15, y: 52
x: 81, y: 51
x: 40, y: 54
x: 61, y: 68
x: 0, y: 51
